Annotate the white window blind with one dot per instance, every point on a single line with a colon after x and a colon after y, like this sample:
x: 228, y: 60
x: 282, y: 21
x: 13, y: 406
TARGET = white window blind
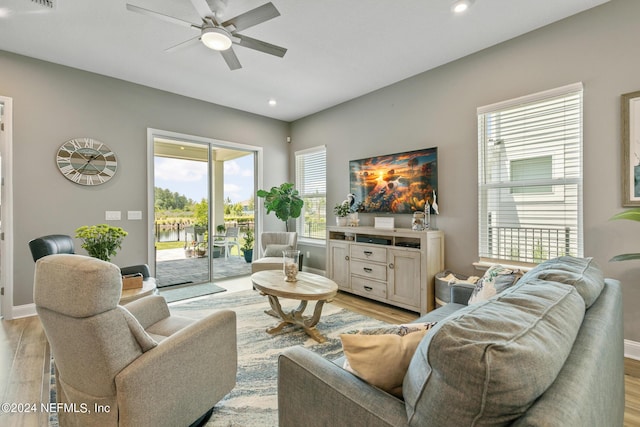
x: 530, y: 177
x: 311, y: 183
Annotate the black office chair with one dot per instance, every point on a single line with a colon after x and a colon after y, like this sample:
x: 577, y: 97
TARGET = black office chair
x: 63, y: 244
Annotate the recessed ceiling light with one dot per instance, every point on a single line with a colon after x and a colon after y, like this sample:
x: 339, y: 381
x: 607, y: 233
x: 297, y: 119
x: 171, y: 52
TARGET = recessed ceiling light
x: 461, y: 5
x: 273, y: 102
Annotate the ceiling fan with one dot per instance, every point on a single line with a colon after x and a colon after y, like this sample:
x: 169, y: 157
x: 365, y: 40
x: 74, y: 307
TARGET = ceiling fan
x: 221, y: 35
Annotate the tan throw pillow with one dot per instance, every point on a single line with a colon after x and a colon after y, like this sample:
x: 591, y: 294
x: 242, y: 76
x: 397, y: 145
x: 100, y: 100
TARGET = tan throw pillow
x: 383, y: 359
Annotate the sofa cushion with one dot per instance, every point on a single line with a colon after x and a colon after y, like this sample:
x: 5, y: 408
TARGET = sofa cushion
x: 493, y: 359
x: 381, y: 356
x: 495, y: 280
x: 583, y: 273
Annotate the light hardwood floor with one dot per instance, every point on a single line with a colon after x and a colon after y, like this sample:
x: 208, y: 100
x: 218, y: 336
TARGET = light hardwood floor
x: 24, y: 370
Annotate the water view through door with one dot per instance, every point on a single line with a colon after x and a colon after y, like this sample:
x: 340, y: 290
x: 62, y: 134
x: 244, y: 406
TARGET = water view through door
x: 203, y: 210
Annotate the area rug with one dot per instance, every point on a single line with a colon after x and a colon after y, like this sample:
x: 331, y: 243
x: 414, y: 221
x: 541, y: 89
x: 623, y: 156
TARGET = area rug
x: 254, y: 400
x: 178, y: 293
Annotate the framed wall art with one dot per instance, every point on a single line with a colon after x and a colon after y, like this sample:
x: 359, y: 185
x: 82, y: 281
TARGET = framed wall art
x: 631, y: 149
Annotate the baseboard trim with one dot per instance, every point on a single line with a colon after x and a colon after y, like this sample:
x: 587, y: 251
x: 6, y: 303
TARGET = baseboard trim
x: 19, y: 311
x: 632, y: 349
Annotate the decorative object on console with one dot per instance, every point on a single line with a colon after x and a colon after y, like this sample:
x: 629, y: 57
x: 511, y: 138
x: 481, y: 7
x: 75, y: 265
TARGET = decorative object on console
x: 290, y: 264
x: 395, y: 183
x: 341, y: 210
x: 101, y: 241
x: 284, y: 200
x: 86, y: 161
x: 384, y: 222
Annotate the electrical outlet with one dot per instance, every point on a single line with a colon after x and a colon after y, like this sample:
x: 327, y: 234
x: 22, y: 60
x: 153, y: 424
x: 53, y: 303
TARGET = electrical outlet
x: 308, y: 254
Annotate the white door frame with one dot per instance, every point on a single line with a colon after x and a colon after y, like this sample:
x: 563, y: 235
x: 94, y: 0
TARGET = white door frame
x: 152, y: 134
x: 6, y: 244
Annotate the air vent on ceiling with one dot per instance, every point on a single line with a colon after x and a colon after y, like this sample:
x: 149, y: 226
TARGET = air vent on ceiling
x: 46, y: 3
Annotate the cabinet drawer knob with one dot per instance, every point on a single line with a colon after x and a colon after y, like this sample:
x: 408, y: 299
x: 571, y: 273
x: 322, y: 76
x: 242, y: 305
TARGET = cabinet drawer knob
x: 346, y: 258
x: 368, y: 253
x: 391, y: 266
x: 367, y: 269
x: 368, y: 288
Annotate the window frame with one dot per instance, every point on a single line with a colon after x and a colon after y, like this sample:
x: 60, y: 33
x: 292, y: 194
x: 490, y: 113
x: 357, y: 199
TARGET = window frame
x: 301, y: 223
x: 495, y: 176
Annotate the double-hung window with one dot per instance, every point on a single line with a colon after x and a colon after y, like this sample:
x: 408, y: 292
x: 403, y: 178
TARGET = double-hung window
x: 311, y: 183
x: 530, y: 177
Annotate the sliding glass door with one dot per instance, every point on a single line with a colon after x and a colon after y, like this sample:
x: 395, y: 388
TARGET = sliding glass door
x: 203, y: 207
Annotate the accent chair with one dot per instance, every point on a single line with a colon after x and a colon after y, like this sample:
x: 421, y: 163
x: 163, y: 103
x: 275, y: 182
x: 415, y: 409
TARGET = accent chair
x: 272, y: 244
x: 140, y: 364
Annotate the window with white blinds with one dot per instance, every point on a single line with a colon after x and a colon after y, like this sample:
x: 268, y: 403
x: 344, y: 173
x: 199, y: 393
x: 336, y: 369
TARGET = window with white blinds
x: 530, y: 177
x: 311, y: 183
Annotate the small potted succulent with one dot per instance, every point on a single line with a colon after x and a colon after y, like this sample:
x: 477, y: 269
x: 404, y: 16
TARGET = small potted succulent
x: 101, y: 241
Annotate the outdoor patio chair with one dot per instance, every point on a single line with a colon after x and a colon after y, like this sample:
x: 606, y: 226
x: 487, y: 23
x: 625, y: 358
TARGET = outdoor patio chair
x: 229, y: 240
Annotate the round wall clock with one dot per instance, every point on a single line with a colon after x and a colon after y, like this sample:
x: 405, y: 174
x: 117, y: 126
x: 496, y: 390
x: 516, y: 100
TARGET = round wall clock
x: 86, y: 161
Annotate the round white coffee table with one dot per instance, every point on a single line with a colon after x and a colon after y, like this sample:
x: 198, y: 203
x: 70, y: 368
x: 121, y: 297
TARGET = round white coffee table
x: 308, y: 287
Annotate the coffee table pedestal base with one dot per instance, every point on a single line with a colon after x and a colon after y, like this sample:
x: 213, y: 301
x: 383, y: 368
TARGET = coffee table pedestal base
x: 296, y: 317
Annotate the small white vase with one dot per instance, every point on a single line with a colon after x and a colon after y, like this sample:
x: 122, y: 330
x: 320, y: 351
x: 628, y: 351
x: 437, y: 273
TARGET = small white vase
x: 341, y: 221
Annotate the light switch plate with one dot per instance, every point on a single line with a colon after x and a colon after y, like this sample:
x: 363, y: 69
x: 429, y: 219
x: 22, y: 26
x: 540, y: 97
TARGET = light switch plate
x: 134, y: 214
x: 112, y: 215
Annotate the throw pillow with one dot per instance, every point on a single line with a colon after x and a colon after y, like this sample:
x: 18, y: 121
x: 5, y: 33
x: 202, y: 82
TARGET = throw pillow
x: 381, y: 356
x: 495, y: 280
x: 275, y: 250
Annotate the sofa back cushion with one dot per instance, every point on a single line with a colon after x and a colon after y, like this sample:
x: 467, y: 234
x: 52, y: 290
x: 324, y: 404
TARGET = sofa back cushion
x: 488, y: 363
x: 583, y: 273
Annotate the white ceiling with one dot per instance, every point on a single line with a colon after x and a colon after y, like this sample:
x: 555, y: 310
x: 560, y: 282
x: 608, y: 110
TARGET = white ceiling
x: 337, y: 49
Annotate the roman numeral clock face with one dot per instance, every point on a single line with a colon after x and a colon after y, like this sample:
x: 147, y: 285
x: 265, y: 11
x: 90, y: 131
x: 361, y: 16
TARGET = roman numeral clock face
x: 86, y: 161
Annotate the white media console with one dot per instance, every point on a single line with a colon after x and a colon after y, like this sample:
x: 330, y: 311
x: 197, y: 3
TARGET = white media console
x: 396, y: 266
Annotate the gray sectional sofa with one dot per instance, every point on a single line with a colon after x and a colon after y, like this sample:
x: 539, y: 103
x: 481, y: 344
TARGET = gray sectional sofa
x: 546, y: 352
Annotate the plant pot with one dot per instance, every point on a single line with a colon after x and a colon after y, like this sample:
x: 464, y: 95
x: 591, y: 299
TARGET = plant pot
x: 248, y: 255
x: 216, y: 252
x: 341, y: 221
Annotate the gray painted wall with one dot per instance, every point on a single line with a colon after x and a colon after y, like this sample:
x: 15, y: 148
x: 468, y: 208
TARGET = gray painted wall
x: 52, y: 104
x: 438, y: 108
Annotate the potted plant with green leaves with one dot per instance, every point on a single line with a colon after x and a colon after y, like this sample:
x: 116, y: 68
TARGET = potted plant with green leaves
x: 341, y: 211
x: 247, y: 246
x: 101, y: 241
x: 633, y: 215
x: 284, y: 201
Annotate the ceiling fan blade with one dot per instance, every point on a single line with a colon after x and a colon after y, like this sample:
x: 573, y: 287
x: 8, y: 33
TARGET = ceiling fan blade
x: 203, y: 9
x: 231, y: 59
x: 182, y: 44
x: 253, y: 17
x: 261, y: 46
x: 161, y: 16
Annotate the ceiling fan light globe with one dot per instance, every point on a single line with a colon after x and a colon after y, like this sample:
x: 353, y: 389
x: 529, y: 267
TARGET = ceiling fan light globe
x: 216, y: 38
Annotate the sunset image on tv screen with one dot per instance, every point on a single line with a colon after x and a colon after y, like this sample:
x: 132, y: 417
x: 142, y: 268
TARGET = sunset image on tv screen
x: 395, y: 183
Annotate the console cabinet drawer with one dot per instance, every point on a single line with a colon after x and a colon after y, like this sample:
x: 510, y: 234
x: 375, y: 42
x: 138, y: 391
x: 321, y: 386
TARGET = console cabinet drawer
x: 370, y: 270
x: 365, y: 287
x: 369, y: 253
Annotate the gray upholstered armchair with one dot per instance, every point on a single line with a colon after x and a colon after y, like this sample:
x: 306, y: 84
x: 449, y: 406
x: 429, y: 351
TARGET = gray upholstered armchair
x: 147, y: 367
x: 272, y: 244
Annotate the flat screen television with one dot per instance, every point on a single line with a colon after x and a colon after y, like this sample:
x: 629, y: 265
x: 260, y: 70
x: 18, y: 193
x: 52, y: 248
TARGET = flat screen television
x: 395, y: 183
